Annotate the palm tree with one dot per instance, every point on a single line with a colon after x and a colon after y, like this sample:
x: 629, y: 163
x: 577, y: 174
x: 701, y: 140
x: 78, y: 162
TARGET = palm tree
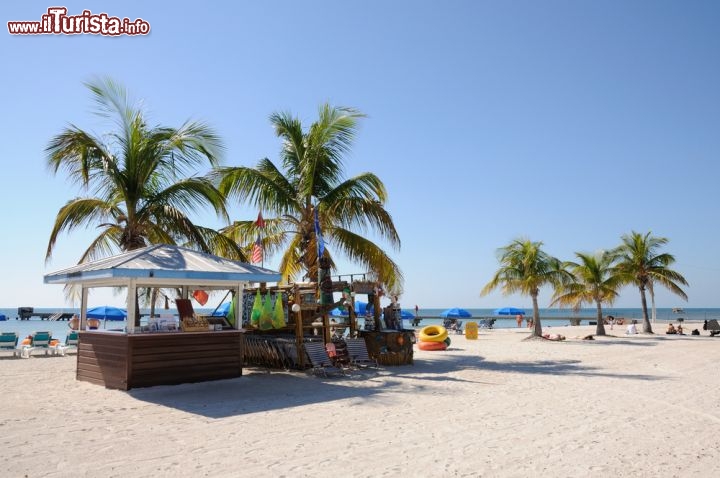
x: 310, y: 179
x: 524, y: 268
x: 594, y: 280
x: 641, y: 263
x: 134, y: 179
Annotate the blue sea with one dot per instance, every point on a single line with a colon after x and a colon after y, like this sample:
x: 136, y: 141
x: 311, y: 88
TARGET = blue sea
x: 550, y: 318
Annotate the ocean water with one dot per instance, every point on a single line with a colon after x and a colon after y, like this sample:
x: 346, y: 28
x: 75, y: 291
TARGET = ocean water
x: 59, y: 328
x: 550, y: 318
x: 560, y: 317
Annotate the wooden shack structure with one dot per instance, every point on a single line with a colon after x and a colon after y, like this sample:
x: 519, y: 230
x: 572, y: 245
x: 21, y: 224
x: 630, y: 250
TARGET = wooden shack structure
x: 201, y: 351
x: 128, y: 359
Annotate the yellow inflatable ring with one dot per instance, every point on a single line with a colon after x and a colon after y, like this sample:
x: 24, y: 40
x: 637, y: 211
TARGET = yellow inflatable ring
x: 433, y: 333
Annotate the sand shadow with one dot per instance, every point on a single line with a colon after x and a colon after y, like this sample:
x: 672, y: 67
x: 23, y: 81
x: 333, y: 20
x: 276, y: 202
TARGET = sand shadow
x: 253, y: 393
x: 436, y: 369
x: 606, y: 341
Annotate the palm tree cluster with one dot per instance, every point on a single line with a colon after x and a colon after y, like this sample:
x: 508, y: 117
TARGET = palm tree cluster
x: 592, y: 279
x: 141, y: 185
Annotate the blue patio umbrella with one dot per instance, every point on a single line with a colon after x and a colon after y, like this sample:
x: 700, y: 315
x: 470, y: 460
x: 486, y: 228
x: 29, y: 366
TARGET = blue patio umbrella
x: 455, y: 313
x: 406, y: 314
x: 509, y: 311
x: 106, y: 312
x: 361, y: 308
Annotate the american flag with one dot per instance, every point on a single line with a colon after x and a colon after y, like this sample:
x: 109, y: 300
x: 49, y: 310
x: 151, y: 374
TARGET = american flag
x: 257, y: 252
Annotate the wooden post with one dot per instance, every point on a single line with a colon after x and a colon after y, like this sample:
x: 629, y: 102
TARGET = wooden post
x: 238, y: 305
x: 299, y: 332
x: 131, y: 305
x: 376, y: 312
x: 83, y: 309
x: 352, y: 316
x: 326, y: 326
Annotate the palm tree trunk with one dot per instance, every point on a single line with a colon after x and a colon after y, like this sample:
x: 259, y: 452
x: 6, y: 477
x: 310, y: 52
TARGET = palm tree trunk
x: 600, y: 329
x: 537, y: 327
x: 653, y: 312
x: 647, y: 328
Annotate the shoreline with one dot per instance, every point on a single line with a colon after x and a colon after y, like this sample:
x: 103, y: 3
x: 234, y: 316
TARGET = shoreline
x: 643, y: 405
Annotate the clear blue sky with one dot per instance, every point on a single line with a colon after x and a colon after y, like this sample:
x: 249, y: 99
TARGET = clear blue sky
x: 568, y: 122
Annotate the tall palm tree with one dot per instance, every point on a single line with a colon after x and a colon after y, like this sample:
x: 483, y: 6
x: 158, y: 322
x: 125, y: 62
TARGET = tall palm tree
x: 524, y: 268
x: 595, y: 280
x: 311, y: 178
x: 134, y: 179
x: 641, y: 263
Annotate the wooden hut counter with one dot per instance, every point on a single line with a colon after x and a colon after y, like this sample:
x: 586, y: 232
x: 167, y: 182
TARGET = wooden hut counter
x: 124, y: 361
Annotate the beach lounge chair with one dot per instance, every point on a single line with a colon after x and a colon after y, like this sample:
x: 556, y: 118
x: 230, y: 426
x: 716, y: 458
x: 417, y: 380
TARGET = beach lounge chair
x: 486, y: 323
x: 71, y: 343
x: 713, y: 327
x: 320, y: 360
x: 38, y: 341
x: 358, y: 353
x: 454, y: 325
x: 8, y: 343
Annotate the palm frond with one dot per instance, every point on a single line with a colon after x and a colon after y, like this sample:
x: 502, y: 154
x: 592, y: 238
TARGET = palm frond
x: 359, y: 249
x: 80, y: 212
x: 264, y: 187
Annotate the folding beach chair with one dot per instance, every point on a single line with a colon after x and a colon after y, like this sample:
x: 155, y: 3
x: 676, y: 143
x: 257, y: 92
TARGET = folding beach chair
x: 320, y: 360
x: 358, y: 353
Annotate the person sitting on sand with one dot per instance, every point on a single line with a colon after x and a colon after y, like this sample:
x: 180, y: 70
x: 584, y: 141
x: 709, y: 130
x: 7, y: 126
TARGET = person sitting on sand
x: 632, y: 328
x: 680, y: 330
x: 671, y: 330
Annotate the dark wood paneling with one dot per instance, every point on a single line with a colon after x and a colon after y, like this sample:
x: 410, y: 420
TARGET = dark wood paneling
x: 127, y: 361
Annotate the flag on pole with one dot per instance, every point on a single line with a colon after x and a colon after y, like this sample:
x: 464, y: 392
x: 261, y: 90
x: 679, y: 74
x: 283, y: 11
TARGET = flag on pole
x: 257, y: 252
x: 318, y: 235
x: 260, y: 221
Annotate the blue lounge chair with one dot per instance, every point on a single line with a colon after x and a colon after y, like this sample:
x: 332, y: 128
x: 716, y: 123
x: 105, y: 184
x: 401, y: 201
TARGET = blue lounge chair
x: 8, y: 343
x: 38, y: 341
x: 71, y: 343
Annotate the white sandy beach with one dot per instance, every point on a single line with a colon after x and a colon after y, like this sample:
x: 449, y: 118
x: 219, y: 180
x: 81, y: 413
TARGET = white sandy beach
x: 498, y: 406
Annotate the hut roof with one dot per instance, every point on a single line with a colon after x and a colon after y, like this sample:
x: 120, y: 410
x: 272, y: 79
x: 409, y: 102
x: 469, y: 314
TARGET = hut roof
x: 162, y: 263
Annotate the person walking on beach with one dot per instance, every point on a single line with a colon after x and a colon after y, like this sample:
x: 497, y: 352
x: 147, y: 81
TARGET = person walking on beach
x: 519, y: 319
